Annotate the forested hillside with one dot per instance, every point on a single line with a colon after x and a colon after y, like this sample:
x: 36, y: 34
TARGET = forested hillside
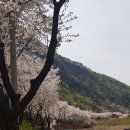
x: 84, y: 88
x: 98, y: 92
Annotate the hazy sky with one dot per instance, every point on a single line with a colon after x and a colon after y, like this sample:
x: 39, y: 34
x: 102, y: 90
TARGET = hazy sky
x: 104, y: 41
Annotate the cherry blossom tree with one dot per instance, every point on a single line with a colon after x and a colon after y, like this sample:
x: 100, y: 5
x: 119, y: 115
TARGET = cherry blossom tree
x: 67, y: 116
x: 47, y: 95
x: 26, y: 19
x: 10, y: 113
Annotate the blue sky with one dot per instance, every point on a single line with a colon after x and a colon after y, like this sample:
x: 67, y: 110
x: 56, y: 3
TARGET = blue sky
x: 104, y: 41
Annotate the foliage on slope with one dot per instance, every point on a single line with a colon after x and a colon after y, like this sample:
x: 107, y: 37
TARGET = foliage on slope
x: 74, y: 99
x: 102, y: 91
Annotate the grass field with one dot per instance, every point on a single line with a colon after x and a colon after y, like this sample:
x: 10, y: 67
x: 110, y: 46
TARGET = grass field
x: 105, y: 124
x: 112, y: 124
x: 109, y: 128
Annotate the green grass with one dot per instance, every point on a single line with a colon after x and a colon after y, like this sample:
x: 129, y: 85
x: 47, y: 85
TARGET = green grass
x: 108, y: 128
x: 26, y: 126
x: 113, y: 122
x: 104, y: 124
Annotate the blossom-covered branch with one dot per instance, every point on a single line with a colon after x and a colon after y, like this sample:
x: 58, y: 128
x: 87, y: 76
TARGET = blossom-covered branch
x: 35, y: 83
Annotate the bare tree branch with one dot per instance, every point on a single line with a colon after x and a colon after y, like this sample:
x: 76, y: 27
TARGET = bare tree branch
x: 24, y: 48
x: 61, y: 2
x: 21, y: 3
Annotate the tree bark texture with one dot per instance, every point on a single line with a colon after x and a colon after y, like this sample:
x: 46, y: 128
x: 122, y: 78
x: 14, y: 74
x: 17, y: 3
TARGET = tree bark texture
x: 13, y: 64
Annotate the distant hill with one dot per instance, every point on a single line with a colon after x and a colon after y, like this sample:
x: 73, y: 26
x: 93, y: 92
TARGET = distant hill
x: 84, y: 88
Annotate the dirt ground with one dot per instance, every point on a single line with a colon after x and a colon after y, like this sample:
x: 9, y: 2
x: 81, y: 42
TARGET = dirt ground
x: 108, y: 128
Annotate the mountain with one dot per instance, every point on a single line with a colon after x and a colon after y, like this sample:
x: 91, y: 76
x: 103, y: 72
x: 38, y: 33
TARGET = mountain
x: 84, y: 88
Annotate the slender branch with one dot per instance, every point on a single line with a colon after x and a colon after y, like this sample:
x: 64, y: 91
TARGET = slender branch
x: 21, y: 3
x: 61, y: 2
x: 35, y: 83
x: 24, y: 48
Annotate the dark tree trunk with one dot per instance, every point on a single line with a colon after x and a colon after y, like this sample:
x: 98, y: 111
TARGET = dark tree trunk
x: 8, y: 122
x: 11, y: 125
x: 42, y: 122
x: 30, y: 116
x: 48, y: 119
